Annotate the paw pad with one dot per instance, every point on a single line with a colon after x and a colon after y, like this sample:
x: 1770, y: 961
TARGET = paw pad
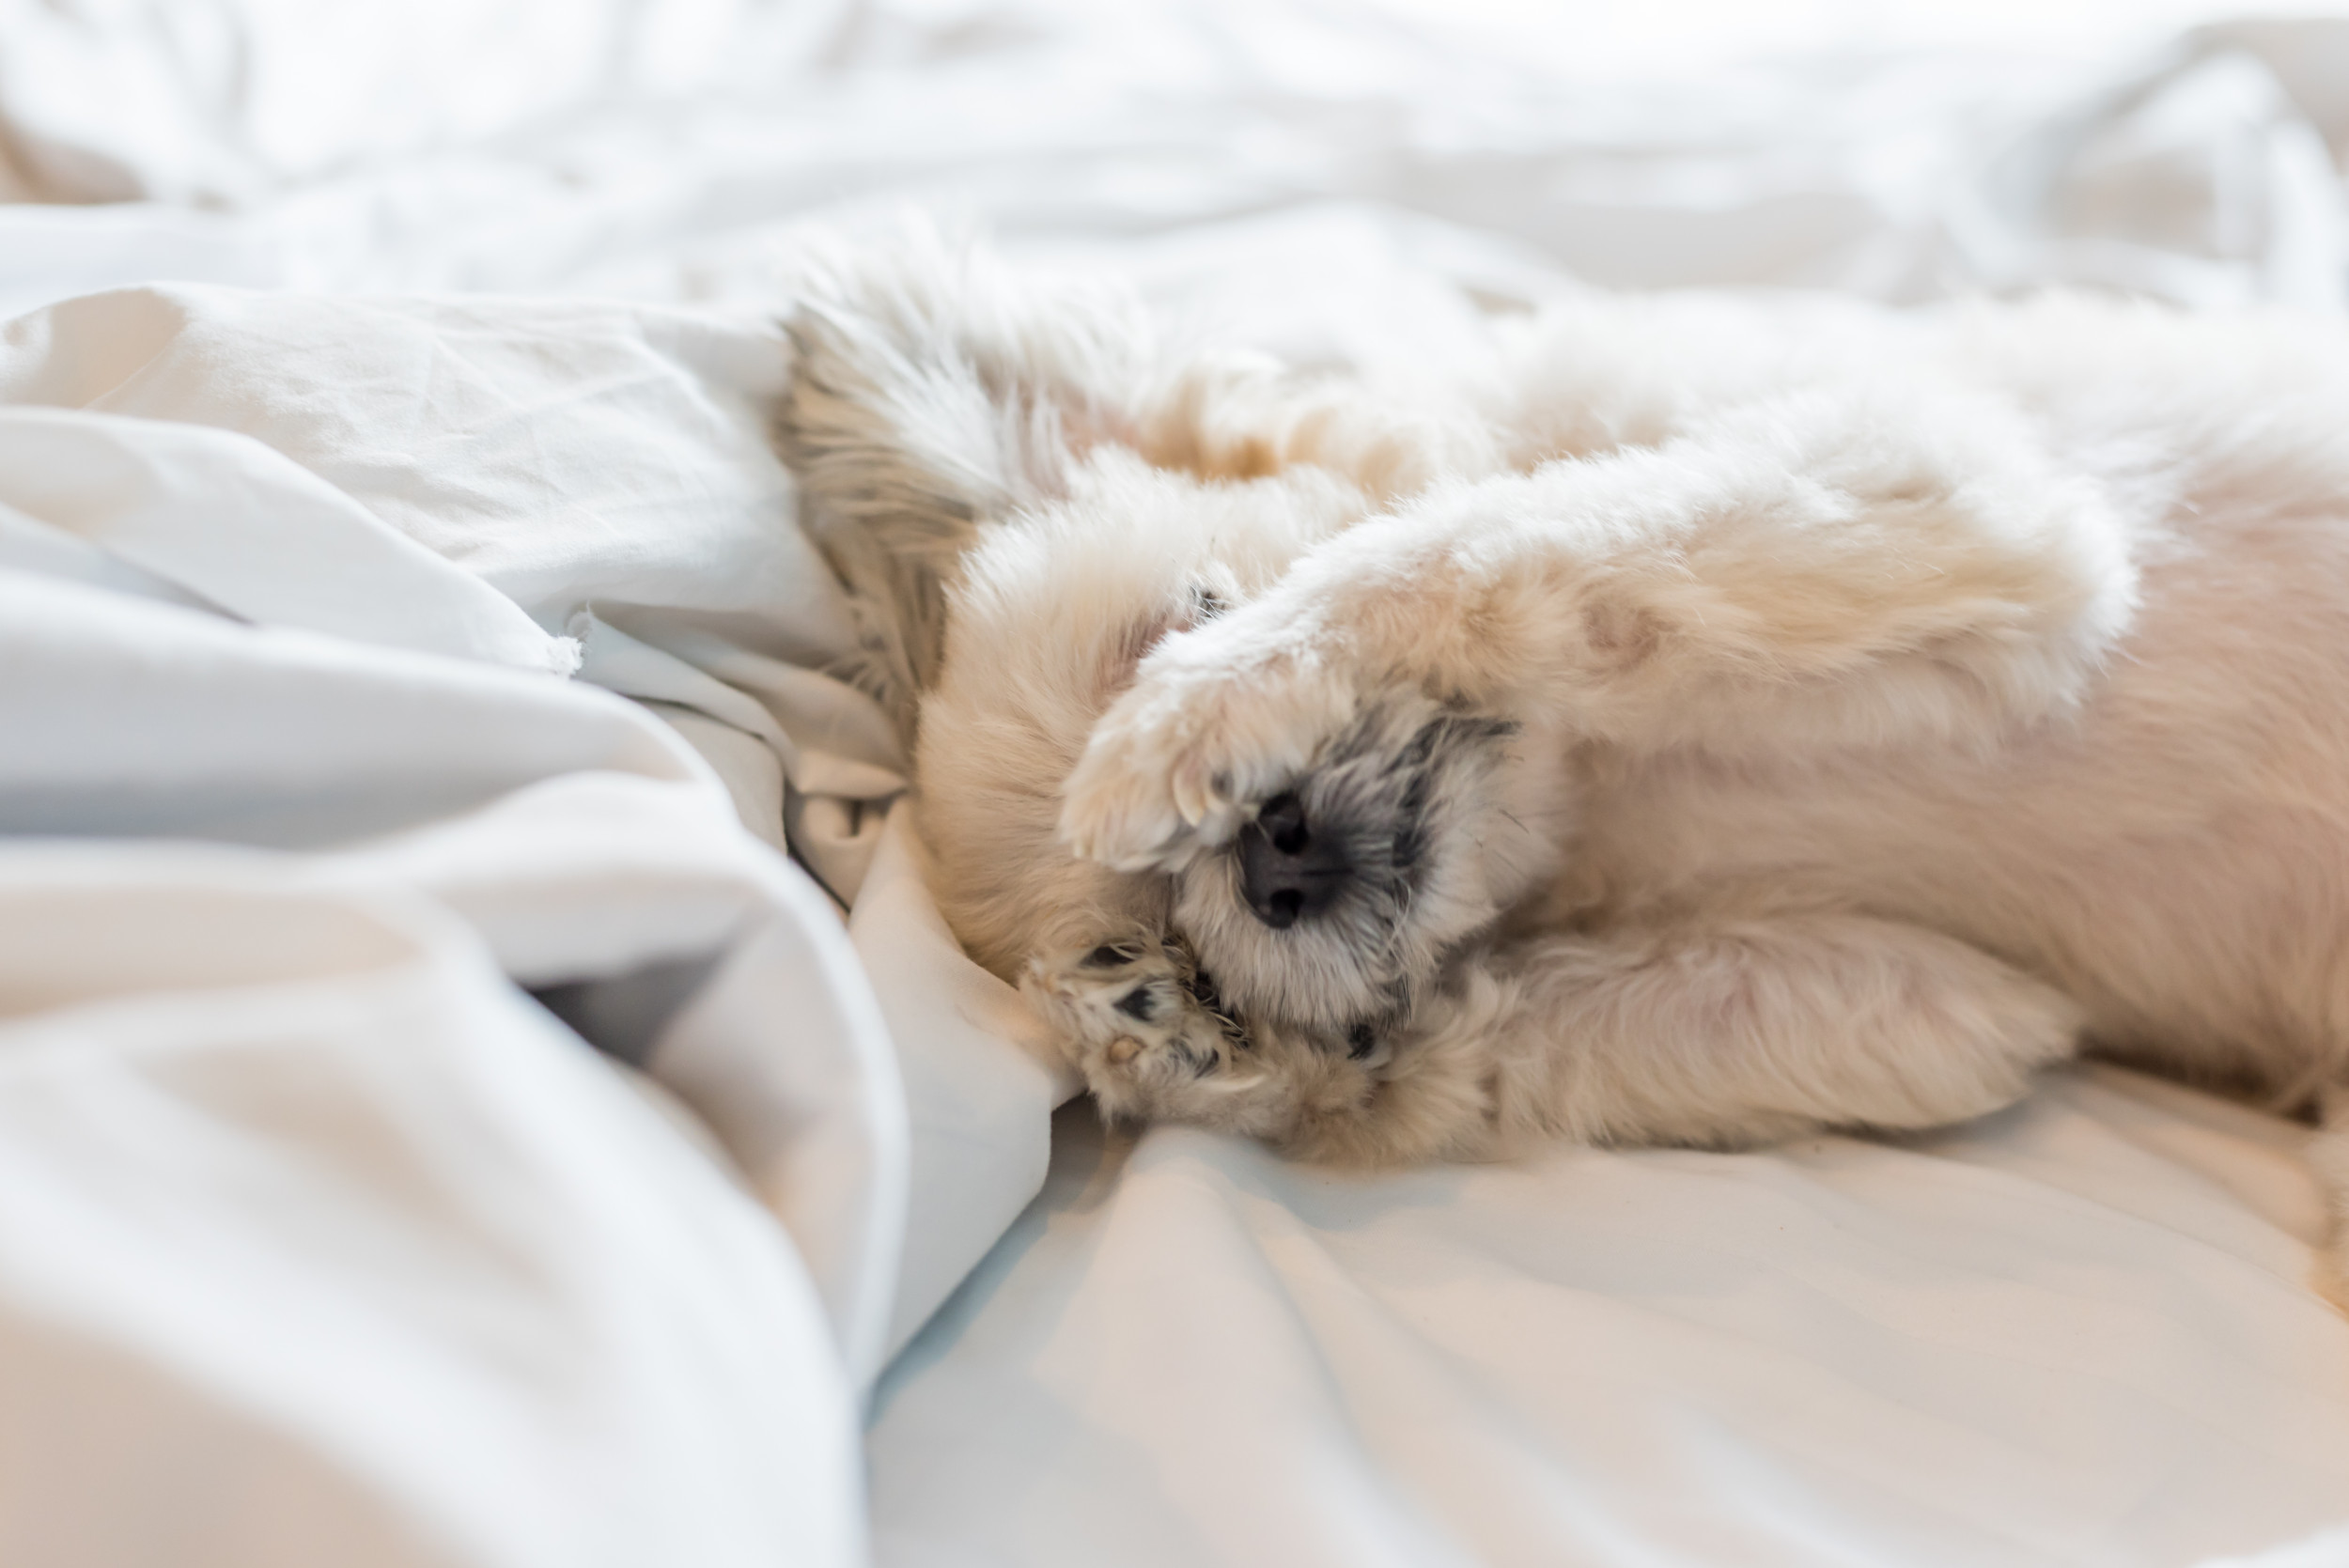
x: 1145, y: 1023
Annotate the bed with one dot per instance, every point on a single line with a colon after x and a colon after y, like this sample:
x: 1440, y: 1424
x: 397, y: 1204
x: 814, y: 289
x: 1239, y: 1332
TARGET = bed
x: 481, y: 1078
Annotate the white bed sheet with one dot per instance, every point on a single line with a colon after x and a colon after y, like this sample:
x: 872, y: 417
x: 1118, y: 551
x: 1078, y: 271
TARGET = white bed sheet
x: 320, y: 1242
x: 2079, y: 1333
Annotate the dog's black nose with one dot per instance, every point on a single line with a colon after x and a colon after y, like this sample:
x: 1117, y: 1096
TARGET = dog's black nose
x: 1286, y: 870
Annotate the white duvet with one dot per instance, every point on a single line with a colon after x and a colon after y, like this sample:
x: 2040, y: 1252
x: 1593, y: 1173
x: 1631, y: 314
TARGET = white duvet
x: 409, y: 666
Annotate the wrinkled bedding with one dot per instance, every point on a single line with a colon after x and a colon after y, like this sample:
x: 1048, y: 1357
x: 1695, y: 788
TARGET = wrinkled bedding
x: 413, y: 669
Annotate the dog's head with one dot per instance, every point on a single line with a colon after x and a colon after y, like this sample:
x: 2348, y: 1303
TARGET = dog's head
x: 1401, y: 838
x: 1026, y: 502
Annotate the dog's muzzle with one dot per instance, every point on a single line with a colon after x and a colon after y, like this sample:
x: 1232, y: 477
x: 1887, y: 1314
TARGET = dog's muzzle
x: 1287, y: 870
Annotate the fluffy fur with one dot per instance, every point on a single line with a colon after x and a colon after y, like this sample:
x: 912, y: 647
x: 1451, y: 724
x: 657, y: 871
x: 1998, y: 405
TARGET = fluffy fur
x: 1725, y: 719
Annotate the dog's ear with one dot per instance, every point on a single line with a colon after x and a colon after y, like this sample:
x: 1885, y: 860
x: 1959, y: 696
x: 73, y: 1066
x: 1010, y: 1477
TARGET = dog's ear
x: 931, y: 397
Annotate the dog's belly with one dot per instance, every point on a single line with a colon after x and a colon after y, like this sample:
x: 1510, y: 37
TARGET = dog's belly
x: 2176, y: 856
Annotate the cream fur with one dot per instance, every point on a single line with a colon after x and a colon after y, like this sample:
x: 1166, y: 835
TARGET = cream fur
x: 1744, y: 719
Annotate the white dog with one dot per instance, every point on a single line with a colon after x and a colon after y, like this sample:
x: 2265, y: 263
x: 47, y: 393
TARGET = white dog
x: 1711, y: 721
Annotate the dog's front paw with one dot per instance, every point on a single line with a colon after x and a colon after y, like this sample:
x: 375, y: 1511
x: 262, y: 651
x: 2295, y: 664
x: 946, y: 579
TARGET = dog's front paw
x: 1211, y: 729
x: 1143, y: 1026
x: 1149, y: 1035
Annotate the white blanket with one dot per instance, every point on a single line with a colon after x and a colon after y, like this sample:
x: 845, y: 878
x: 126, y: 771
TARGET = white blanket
x: 399, y: 605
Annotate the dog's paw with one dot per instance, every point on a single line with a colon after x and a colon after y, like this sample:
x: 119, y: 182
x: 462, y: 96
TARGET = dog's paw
x: 1146, y: 1030
x: 1153, y: 1043
x: 1211, y: 728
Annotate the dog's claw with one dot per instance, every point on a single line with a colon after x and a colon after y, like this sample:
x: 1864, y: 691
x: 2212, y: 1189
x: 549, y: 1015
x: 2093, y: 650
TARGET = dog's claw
x: 1194, y: 797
